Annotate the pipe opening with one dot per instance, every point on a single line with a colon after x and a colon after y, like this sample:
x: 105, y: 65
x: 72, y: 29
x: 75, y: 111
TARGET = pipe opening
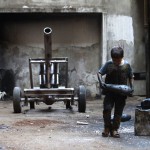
x: 47, y: 30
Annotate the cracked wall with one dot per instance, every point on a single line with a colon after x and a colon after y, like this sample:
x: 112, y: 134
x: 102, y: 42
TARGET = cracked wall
x: 79, y: 33
x: 74, y: 36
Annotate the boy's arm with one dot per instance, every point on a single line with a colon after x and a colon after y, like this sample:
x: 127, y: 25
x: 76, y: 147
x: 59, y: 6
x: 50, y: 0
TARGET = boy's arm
x: 131, y: 78
x: 101, y: 82
x: 131, y: 85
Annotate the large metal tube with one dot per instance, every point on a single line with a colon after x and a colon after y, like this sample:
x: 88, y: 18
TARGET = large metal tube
x: 120, y: 89
x: 48, y: 43
x: 48, y: 52
x: 55, y: 75
x: 42, y: 75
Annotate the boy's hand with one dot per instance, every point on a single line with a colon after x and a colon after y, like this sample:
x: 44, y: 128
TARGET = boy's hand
x: 102, y: 84
x: 132, y: 91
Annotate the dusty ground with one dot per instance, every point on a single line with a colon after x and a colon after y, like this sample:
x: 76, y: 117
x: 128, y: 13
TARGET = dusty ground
x: 56, y: 128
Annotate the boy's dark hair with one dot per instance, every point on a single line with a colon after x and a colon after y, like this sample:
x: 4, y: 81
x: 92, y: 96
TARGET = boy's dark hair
x: 117, y: 52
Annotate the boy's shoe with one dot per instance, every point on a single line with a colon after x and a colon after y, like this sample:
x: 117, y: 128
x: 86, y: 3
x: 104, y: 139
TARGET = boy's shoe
x: 106, y: 132
x: 115, y: 134
x: 111, y: 133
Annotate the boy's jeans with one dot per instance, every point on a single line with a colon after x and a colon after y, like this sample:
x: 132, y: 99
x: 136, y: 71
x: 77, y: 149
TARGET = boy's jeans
x: 117, y: 102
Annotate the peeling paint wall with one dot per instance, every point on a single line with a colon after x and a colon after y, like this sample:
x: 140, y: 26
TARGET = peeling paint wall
x: 85, y: 32
x: 120, y: 32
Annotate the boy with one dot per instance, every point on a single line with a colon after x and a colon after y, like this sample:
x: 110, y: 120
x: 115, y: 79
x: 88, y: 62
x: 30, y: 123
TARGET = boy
x: 117, y: 71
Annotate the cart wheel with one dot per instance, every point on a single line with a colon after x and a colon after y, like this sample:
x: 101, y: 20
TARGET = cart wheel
x: 17, y: 100
x: 81, y: 99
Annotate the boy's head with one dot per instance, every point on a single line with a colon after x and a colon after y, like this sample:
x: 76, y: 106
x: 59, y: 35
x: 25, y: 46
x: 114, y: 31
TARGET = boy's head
x: 117, y: 54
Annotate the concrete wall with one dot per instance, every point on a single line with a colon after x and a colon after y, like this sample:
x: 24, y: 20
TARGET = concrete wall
x: 83, y: 30
x: 72, y: 36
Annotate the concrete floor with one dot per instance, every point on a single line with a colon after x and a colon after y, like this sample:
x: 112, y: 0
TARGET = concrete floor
x: 55, y: 128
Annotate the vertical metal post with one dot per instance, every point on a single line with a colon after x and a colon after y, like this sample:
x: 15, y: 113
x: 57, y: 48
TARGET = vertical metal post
x: 147, y: 45
x: 48, y: 52
x: 30, y: 71
x: 66, y: 85
x: 147, y: 66
x: 54, y: 74
x: 42, y: 75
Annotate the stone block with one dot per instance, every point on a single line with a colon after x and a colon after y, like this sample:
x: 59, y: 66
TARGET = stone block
x: 142, y: 122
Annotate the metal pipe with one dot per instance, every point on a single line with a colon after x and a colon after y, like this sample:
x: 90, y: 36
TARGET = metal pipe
x: 55, y: 74
x: 66, y: 85
x: 30, y: 70
x: 48, y: 52
x: 48, y: 43
x: 42, y: 75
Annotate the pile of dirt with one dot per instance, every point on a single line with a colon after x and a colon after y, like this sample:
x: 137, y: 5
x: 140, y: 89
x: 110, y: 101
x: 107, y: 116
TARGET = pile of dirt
x: 41, y: 122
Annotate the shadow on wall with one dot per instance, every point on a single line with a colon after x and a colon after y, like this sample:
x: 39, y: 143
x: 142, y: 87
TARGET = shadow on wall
x: 7, y: 81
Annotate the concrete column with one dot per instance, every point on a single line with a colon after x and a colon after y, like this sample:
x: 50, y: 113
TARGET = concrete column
x: 104, y: 38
